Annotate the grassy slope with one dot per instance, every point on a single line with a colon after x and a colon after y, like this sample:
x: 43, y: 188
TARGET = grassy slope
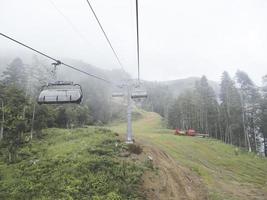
x: 71, y: 164
x: 227, y: 175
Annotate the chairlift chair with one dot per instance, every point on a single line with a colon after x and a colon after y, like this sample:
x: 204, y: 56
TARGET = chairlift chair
x: 117, y: 94
x: 118, y: 91
x: 138, y: 93
x: 60, y: 92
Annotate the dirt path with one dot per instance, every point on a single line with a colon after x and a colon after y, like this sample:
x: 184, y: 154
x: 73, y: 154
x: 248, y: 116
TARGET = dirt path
x: 169, y: 180
x: 228, y: 178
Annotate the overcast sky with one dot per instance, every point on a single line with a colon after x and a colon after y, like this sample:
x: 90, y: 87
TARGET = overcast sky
x: 178, y: 38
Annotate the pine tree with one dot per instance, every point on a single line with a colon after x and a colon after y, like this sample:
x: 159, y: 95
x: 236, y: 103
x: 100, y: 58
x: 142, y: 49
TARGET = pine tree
x: 15, y: 74
x: 196, y: 109
x: 173, y: 115
x: 250, y: 107
x: 38, y: 74
x: 264, y: 113
x: 207, y: 107
x: 231, y: 112
x: 2, y: 111
x: 15, y: 124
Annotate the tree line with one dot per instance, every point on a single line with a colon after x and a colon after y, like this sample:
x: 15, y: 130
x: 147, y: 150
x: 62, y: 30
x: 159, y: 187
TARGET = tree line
x: 238, y: 116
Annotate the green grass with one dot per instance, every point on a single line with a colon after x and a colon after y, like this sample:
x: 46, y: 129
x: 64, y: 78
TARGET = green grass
x: 85, y: 164
x: 226, y: 175
x: 71, y: 164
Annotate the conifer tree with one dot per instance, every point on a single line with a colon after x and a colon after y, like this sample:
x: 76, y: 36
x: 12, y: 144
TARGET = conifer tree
x: 15, y: 74
x: 231, y: 112
x: 264, y: 113
x: 250, y: 107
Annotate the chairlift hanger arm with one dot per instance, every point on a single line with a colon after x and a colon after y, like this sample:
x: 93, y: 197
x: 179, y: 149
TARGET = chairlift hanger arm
x: 56, y: 60
x: 137, y: 38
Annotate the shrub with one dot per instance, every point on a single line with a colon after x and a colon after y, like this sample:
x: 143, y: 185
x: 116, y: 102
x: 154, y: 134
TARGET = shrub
x: 135, y: 148
x: 113, y: 196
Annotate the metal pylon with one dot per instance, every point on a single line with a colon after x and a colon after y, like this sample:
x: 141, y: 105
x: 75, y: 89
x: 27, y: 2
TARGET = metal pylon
x: 129, y: 138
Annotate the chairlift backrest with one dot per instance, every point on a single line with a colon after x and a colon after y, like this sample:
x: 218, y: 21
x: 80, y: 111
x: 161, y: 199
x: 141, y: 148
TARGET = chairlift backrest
x: 61, y: 83
x: 60, y: 92
x: 117, y: 94
x: 139, y: 94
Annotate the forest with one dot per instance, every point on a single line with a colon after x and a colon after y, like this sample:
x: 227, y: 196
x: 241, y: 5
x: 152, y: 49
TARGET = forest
x: 236, y: 114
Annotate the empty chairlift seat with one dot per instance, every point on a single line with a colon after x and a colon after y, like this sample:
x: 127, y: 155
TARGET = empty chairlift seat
x: 139, y: 94
x: 118, y: 91
x: 117, y: 94
x: 60, y: 92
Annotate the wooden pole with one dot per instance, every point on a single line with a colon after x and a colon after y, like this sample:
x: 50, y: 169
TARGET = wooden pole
x: 33, y: 117
x: 3, y: 120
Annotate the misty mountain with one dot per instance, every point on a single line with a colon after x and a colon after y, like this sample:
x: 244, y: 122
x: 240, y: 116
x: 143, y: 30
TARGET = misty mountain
x: 180, y: 85
x: 114, y: 75
x: 64, y: 73
x: 174, y: 87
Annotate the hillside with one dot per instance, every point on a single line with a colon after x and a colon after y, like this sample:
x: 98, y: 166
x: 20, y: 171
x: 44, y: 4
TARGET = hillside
x: 77, y: 164
x: 225, y: 172
x: 180, y: 85
x: 94, y: 163
x: 63, y: 72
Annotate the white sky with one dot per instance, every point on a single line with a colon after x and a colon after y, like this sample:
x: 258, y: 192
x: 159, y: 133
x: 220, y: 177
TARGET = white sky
x: 178, y: 38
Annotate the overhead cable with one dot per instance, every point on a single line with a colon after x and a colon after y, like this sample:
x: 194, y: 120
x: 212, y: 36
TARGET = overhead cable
x: 137, y: 38
x: 54, y: 59
x: 73, y: 27
x: 102, y: 29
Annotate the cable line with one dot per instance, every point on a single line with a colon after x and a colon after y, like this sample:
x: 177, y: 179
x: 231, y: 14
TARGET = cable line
x: 116, y: 55
x: 137, y: 38
x: 73, y: 27
x: 54, y: 59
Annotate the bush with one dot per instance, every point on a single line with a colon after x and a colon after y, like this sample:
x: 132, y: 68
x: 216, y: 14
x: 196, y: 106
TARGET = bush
x: 113, y: 196
x: 135, y: 148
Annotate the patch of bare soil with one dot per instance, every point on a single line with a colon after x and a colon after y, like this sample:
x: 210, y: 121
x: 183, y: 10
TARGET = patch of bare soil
x: 168, y: 180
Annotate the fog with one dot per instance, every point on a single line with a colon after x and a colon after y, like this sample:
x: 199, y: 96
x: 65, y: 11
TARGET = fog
x: 178, y: 39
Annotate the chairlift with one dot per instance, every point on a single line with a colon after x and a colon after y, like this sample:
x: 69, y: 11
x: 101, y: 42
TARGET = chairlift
x: 60, y: 92
x: 139, y: 93
x: 117, y: 94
